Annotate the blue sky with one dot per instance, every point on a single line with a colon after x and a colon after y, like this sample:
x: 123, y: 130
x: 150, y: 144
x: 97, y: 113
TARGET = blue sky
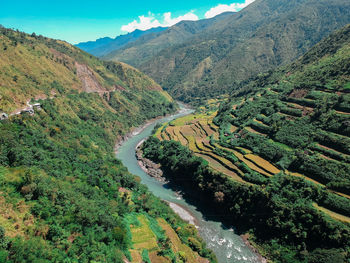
x: 76, y: 21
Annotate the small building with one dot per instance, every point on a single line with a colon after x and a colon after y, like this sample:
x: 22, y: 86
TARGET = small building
x: 28, y: 110
x: 37, y: 106
x: 3, y: 116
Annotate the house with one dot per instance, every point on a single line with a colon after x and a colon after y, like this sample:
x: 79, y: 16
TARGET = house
x: 3, y: 116
x: 28, y: 110
x: 37, y: 106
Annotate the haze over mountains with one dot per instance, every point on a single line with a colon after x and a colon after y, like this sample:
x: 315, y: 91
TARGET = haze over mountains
x: 211, y: 56
x: 105, y: 45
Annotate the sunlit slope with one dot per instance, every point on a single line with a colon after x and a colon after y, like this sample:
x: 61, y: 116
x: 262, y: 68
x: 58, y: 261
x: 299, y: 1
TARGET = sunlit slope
x: 276, y: 162
x: 64, y: 197
x: 297, y: 117
x: 263, y: 36
x: 35, y: 67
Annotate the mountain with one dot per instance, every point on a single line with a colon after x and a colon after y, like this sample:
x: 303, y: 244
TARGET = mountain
x: 64, y: 197
x: 105, y: 45
x: 34, y: 67
x: 138, y: 52
x: 274, y: 158
x: 264, y: 35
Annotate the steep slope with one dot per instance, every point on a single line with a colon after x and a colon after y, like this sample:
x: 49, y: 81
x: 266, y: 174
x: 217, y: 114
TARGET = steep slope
x: 141, y: 50
x: 63, y: 195
x: 105, y: 45
x: 280, y: 151
x: 34, y: 67
x: 266, y: 34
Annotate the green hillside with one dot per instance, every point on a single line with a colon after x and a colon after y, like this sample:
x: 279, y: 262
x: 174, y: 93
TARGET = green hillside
x: 35, y: 67
x: 276, y: 156
x: 264, y: 35
x: 64, y: 197
x: 136, y: 53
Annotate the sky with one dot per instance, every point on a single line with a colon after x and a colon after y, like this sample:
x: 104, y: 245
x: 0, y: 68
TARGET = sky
x: 77, y: 21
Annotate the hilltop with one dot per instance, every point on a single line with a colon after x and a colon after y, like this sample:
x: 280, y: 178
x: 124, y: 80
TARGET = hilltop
x: 274, y: 157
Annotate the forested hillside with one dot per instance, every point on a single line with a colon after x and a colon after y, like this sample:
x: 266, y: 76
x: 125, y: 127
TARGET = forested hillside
x: 274, y: 159
x: 143, y: 49
x: 64, y: 197
x: 264, y: 35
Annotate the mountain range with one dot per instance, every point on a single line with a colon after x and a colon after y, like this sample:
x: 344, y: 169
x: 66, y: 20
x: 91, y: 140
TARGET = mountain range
x: 105, y: 45
x: 206, y: 57
x: 270, y: 156
x: 274, y: 158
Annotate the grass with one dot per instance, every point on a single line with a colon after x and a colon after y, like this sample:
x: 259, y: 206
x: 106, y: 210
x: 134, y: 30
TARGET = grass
x: 193, y: 131
x: 142, y: 236
x: 241, y: 157
x: 305, y: 177
x: 250, y: 129
x: 176, y: 243
x: 214, y: 163
x: 332, y: 150
x: 332, y: 214
x: 284, y: 146
x: 262, y: 163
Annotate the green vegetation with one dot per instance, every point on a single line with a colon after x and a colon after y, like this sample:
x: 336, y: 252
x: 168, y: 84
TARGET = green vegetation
x: 64, y: 197
x: 290, y: 148
x: 35, y: 67
x: 142, y: 49
x: 198, y: 60
x: 281, y: 212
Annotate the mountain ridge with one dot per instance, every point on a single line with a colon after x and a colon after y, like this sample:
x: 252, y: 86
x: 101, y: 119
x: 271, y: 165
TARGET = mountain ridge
x: 105, y: 45
x: 176, y: 34
x: 264, y: 35
x: 274, y: 156
x: 37, y: 67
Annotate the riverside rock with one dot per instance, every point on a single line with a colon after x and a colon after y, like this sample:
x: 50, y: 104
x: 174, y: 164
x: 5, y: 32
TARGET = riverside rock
x: 148, y: 166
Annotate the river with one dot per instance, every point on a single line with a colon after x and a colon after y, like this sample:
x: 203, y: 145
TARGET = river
x: 228, y: 247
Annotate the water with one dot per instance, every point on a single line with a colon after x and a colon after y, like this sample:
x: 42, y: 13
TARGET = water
x: 228, y: 247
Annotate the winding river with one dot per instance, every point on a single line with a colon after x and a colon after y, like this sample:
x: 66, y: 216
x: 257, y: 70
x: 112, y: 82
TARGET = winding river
x: 228, y: 247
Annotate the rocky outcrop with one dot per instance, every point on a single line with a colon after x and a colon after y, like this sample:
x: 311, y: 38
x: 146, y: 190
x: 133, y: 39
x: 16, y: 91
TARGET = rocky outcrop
x: 88, y: 79
x: 149, y: 167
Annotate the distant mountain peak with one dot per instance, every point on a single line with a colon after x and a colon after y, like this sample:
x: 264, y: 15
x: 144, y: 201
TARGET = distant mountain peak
x: 104, y: 45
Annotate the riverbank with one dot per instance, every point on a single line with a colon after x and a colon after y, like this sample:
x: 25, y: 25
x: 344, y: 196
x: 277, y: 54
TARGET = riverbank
x: 137, y: 130
x: 255, y: 249
x: 149, y: 167
x: 183, y: 213
x: 227, y: 246
x: 154, y: 170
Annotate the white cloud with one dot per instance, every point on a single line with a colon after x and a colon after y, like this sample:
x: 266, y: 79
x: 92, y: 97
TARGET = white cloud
x: 234, y: 7
x: 147, y: 22
x: 168, y: 21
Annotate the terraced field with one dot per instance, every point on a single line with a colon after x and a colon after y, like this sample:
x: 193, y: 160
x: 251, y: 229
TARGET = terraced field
x: 145, y: 241
x: 229, y: 148
x: 201, y: 135
x: 332, y: 214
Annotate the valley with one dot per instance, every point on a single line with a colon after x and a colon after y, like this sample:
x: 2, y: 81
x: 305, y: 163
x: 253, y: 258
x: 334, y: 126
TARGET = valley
x: 227, y: 246
x: 220, y: 135
x: 280, y: 140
